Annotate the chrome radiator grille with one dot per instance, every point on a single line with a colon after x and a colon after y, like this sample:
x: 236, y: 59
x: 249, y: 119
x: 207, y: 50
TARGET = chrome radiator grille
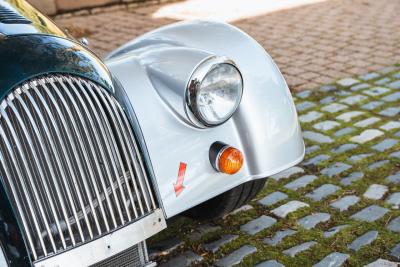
x: 70, y: 163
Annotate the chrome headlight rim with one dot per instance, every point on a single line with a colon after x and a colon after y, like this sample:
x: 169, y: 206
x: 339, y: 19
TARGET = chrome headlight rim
x: 193, y: 87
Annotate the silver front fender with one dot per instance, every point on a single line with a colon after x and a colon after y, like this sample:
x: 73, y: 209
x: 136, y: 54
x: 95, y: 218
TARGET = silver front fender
x: 152, y: 70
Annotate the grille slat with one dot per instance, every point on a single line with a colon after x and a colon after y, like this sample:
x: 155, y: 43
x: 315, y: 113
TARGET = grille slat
x: 92, y: 148
x: 27, y: 180
x: 70, y: 162
x: 118, y: 154
x: 39, y: 167
x: 83, y: 135
x: 111, y: 143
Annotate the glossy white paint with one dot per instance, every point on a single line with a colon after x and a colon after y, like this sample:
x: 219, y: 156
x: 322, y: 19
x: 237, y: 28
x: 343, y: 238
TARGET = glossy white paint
x: 154, y: 70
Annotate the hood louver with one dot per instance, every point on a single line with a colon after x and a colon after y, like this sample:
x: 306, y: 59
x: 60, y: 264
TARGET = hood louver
x: 9, y: 16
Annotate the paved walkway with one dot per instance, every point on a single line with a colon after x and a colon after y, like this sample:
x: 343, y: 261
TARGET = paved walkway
x: 313, y: 44
x: 340, y: 206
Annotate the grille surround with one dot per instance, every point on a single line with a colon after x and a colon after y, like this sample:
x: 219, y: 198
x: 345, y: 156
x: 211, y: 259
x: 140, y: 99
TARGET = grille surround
x: 70, y: 162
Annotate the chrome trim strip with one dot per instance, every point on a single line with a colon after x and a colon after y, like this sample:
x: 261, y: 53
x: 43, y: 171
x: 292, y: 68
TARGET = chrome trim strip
x: 109, y: 245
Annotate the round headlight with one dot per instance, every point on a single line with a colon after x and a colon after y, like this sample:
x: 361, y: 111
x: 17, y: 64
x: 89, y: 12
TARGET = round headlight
x: 214, y: 91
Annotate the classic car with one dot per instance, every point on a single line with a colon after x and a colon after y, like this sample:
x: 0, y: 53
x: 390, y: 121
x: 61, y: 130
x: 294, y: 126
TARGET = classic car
x: 96, y: 154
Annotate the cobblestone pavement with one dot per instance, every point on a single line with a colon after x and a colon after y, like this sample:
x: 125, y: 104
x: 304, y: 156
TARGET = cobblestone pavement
x: 340, y: 206
x: 313, y: 44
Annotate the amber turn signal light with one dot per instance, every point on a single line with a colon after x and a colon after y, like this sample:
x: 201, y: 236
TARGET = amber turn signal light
x: 225, y: 158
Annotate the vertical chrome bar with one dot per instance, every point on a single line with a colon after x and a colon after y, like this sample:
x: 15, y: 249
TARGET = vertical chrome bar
x: 137, y: 152
x: 39, y: 167
x: 92, y: 151
x: 100, y: 108
x: 127, y: 158
x: 72, y: 143
x: 18, y: 203
x: 83, y: 148
x: 63, y: 147
x: 98, y: 143
x: 109, y: 154
x: 47, y: 156
x: 33, y: 185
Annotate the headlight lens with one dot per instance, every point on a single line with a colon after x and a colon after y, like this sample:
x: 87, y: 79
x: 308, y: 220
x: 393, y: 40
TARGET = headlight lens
x: 217, y: 94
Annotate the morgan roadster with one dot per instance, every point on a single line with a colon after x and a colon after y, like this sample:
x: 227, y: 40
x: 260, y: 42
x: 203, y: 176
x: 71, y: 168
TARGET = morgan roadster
x: 96, y: 155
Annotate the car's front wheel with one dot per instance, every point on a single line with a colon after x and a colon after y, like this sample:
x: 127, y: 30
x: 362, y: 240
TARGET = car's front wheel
x: 227, y: 202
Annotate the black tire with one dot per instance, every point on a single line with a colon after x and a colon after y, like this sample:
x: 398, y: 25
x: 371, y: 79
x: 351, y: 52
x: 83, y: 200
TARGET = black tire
x: 226, y: 202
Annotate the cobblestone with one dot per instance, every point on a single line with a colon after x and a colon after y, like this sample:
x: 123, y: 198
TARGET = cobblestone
x: 390, y: 125
x: 395, y: 85
x: 382, y: 263
x: 369, y: 76
x: 317, y: 137
x: 335, y: 259
x: 287, y: 173
x: 334, y: 107
x: 390, y: 112
x: 395, y: 252
x: 335, y: 169
x: 165, y: 247
x: 345, y: 203
x: 292, y: 252
x: 348, y: 116
x: 270, y: 263
x: 278, y: 237
x: 334, y: 230
x: 323, y: 191
x: 310, y: 116
x: 370, y: 214
x: 216, y: 245
x: 354, y: 99
x: 376, y: 191
x: 237, y: 256
x: 378, y: 164
x: 272, y: 199
x: 392, y: 97
x: 202, y: 230
x: 366, y: 136
x: 367, y: 122
x: 351, y: 178
x: 305, y: 105
x: 343, y: 148
x: 376, y: 91
x: 289, y: 207
x: 312, y: 220
x: 385, y: 145
x: 363, y: 240
x: 326, y: 125
x: 394, y: 225
x: 372, y: 105
x: 301, y: 182
x: 344, y: 131
x: 394, y: 178
x: 316, y: 160
x: 257, y: 225
x: 394, y: 199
